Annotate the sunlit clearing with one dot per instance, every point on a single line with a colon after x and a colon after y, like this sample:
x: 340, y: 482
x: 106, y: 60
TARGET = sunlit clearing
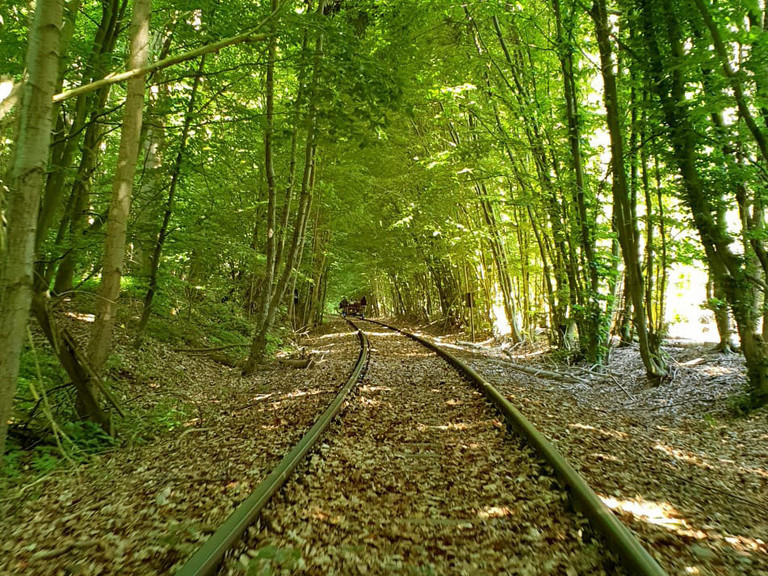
x: 453, y: 402
x: 692, y: 570
x: 611, y: 433
x: 81, y: 317
x: 6, y: 85
x: 686, y: 292
x: 494, y: 512
x: 501, y: 325
x: 337, y: 335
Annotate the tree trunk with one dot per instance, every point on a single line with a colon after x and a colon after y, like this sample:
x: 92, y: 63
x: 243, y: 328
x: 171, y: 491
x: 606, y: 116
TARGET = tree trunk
x: 591, y: 319
x: 122, y: 187
x: 726, y: 267
x: 162, y: 235
x: 23, y: 198
x: 625, y: 224
x: 268, y: 287
x: 267, y: 317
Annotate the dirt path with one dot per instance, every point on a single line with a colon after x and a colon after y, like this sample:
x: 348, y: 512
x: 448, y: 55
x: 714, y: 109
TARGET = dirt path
x: 419, y: 477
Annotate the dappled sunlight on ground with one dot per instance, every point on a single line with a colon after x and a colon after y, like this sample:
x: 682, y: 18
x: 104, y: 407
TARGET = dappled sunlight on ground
x: 612, y: 433
x: 368, y: 388
x: 720, y: 371
x: 336, y: 335
x: 494, y: 512
x: 658, y: 513
x: 681, y: 455
x: 80, y: 316
x: 669, y: 458
x: 387, y: 334
x: 666, y: 516
x: 457, y: 425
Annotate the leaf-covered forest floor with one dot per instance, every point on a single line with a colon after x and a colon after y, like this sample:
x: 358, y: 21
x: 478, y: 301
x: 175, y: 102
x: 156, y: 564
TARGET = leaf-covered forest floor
x: 204, y: 438
x: 690, y: 478
x: 674, y: 460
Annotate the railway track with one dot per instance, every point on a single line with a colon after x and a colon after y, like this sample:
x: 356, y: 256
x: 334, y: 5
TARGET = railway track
x: 421, y: 476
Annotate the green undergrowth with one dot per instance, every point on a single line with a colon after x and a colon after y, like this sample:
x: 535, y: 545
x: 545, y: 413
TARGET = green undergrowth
x: 182, y: 315
x: 46, y: 433
x: 72, y: 443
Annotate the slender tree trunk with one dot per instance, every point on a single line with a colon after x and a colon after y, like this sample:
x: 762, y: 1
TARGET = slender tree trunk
x: 76, y: 212
x: 266, y: 320
x: 63, y: 151
x: 28, y: 176
x: 271, y: 264
x: 590, y: 317
x: 162, y: 235
x: 122, y: 187
x: 726, y: 267
x: 716, y: 302
x: 625, y: 225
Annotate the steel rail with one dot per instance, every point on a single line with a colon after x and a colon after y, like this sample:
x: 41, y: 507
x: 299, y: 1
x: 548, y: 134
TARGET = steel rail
x: 210, y: 554
x: 620, y: 539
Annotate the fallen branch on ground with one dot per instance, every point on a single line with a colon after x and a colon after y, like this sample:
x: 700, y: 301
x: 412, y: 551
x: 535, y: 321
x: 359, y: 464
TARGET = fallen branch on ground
x: 206, y: 350
x: 541, y: 373
x: 296, y: 362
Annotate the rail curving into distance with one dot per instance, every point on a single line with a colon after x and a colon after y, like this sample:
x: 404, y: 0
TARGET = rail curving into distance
x: 210, y: 554
x: 620, y: 539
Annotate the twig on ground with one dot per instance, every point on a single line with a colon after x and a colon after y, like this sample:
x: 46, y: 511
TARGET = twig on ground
x: 616, y: 381
x: 206, y: 350
x: 541, y: 373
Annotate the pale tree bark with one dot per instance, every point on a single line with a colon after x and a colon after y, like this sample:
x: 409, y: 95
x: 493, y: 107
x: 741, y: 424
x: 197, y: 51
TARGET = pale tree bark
x: 86, y: 111
x: 27, y: 180
x: 122, y: 187
x: 63, y: 151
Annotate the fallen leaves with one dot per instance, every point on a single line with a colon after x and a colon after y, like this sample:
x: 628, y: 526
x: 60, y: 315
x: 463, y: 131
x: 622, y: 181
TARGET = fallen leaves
x: 694, y: 488
x: 421, y: 479
x: 145, y: 508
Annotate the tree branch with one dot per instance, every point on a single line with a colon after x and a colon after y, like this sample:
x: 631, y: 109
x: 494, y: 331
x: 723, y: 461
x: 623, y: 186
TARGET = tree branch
x: 249, y: 36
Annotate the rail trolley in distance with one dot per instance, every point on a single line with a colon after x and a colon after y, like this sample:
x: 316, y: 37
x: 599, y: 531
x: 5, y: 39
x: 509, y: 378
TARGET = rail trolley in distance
x: 353, y: 308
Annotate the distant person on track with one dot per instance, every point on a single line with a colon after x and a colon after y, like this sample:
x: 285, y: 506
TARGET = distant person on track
x: 343, y: 306
x: 363, y: 303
